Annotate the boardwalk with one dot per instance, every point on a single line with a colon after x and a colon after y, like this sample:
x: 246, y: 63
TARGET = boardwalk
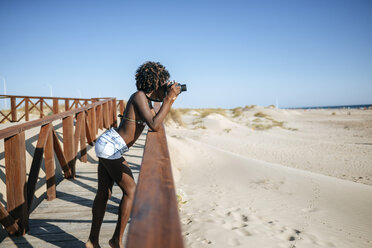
x: 65, y: 221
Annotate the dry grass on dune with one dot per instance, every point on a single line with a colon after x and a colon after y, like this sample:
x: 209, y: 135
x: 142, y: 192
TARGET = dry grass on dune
x: 249, y: 107
x: 260, y: 114
x: 207, y: 111
x: 264, y: 122
x: 174, y: 115
x: 236, y: 112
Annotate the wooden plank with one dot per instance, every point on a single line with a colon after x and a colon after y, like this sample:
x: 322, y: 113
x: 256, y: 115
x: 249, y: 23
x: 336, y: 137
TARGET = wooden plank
x: 68, y: 142
x: 83, y: 135
x: 41, y: 107
x: 36, y: 163
x: 8, y: 221
x: 155, y: 220
x: 13, y: 108
x: 15, y: 177
x: 55, y: 106
x: 60, y: 156
x: 67, y: 105
x: 27, y: 113
x: 49, y: 167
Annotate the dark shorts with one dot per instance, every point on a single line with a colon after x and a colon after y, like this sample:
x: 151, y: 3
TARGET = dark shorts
x: 117, y: 168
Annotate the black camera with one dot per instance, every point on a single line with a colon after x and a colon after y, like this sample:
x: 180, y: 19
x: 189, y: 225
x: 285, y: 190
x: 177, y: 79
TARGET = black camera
x: 182, y: 86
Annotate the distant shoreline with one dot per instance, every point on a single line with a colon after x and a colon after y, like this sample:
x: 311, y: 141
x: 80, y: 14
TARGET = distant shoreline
x: 361, y: 106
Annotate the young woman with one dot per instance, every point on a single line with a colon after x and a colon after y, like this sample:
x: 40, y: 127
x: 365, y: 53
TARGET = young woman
x: 152, y: 84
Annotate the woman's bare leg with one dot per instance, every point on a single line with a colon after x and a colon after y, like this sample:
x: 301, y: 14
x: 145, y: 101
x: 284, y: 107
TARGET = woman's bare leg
x: 105, y: 184
x: 128, y: 186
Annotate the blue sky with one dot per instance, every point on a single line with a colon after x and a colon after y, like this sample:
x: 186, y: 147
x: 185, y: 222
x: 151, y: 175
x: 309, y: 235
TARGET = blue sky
x: 230, y: 53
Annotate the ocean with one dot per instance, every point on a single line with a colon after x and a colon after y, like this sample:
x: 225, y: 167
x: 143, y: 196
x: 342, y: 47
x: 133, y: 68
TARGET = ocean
x: 361, y: 106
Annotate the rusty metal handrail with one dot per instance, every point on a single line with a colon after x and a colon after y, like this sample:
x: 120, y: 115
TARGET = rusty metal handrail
x: 154, y: 220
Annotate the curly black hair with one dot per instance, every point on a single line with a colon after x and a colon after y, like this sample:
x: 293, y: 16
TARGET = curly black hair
x: 150, y: 76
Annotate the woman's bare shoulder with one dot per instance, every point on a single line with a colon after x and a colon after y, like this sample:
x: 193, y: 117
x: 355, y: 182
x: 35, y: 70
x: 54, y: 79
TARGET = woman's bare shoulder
x: 138, y: 96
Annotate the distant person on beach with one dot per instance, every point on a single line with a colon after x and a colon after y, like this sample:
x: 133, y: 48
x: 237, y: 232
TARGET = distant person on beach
x: 152, y: 85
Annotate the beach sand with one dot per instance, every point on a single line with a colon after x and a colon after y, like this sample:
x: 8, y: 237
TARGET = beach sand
x: 266, y: 177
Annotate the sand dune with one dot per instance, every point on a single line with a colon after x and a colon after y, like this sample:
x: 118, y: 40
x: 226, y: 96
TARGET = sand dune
x: 249, y: 188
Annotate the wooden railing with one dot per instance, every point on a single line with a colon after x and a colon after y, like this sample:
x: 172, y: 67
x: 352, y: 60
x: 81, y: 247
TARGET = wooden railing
x: 39, y: 104
x: 19, y: 192
x: 155, y: 221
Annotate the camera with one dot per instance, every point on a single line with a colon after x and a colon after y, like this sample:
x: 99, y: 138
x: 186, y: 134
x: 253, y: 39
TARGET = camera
x: 182, y: 86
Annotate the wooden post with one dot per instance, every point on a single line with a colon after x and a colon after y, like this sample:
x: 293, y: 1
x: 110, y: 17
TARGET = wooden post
x: 13, y: 108
x: 106, y: 114
x: 68, y: 142
x: 111, y: 113
x: 93, y: 122
x: 122, y: 107
x: 49, y: 167
x: 99, y: 118
x: 67, y: 105
x: 27, y: 113
x: 55, y: 106
x: 41, y: 108
x: 15, y: 177
x: 114, y: 113
x: 83, y: 145
x: 89, y: 134
x: 91, y: 126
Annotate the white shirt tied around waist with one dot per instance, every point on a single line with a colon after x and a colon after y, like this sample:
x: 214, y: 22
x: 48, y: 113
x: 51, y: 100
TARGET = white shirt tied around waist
x: 110, y: 145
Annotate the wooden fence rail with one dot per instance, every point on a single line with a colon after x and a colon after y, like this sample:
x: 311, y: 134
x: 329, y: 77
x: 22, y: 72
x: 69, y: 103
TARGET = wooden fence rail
x: 20, y: 191
x: 40, y: 104
x: 155, y: 221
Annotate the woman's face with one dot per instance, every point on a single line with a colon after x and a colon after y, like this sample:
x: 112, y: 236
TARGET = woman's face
x: 161, y: 91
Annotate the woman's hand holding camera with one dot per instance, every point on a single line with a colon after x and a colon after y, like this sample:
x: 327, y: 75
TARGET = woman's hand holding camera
x: 173, y: 91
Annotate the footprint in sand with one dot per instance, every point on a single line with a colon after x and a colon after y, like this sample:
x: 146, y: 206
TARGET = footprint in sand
x: 237, y: 222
